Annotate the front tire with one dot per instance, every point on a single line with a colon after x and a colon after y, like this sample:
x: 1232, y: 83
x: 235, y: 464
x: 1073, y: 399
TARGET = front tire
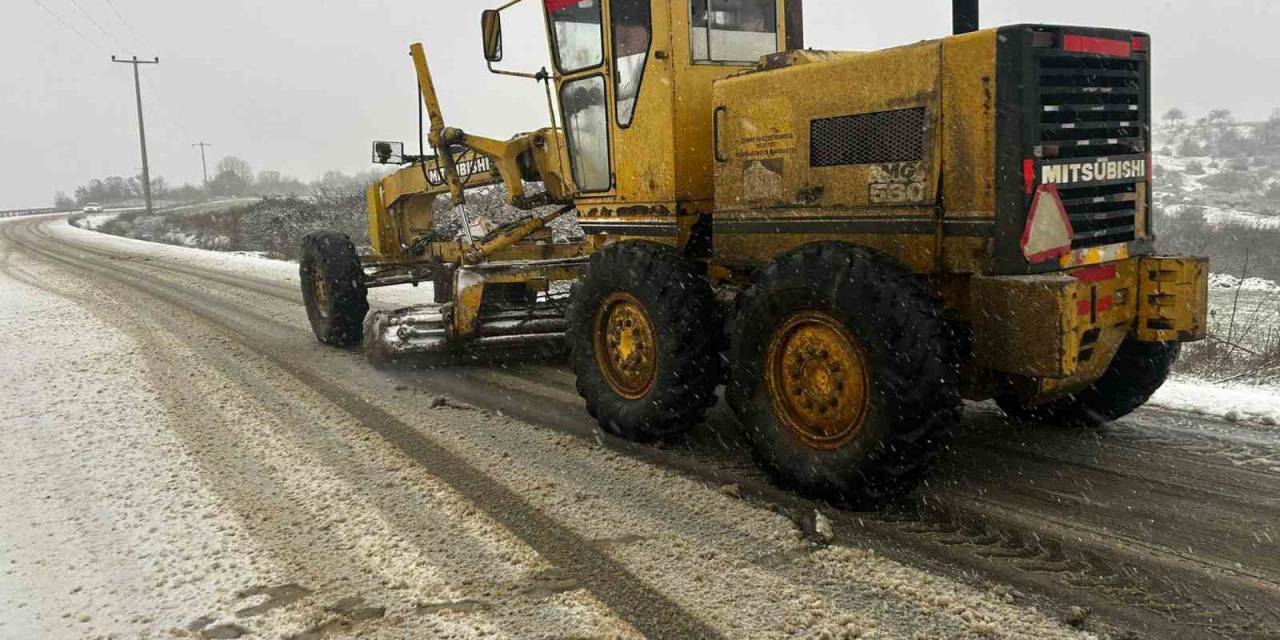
x: 842, y: 374
x: 1138, y: 370
x: 643, y: 337
x: 333, y: 288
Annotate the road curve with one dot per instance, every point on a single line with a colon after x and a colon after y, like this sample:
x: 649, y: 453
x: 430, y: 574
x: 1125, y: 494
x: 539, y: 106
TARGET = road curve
x: 1162, y: 525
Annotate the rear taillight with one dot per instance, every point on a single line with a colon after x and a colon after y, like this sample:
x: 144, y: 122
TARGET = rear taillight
x: 1098, y: 46
x: 1048, y: 232
x: 1141, y: 44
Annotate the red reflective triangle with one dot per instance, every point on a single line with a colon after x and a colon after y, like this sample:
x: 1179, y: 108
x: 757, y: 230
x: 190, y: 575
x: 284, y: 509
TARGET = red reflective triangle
x: 556, y: 5
x: 1048, y: 195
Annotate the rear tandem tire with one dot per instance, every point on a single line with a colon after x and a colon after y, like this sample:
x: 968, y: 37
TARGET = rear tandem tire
x: 842, y: 374
x: 643, y: 338
x: 1138, y: 370
x: 333, y: 288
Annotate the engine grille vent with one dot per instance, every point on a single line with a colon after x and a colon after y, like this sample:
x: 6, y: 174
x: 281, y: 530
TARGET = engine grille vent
x: 868, y: 138
x: 1101, y: 215
x: 1093, y: 107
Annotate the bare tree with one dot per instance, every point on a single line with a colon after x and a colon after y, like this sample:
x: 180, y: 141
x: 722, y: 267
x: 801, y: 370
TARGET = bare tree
x: 236, y: 166
x: 232, y: 177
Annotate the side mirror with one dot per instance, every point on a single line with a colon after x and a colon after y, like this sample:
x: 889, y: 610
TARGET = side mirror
x: 388, y: 152
x: 491, y: 30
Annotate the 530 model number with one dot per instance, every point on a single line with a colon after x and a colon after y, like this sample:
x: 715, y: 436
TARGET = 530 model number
x: 898, y: 183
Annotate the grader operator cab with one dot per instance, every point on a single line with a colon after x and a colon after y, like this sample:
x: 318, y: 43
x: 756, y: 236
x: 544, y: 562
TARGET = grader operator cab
x: 851, y: 242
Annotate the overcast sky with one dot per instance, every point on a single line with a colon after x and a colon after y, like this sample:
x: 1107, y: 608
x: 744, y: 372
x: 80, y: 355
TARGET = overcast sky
x: 303, y: 86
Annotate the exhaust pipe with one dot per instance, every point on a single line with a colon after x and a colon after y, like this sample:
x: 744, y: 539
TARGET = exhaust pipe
x: 964, y: 16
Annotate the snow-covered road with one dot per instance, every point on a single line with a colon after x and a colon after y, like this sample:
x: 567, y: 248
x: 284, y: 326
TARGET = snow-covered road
x: 182, y: 460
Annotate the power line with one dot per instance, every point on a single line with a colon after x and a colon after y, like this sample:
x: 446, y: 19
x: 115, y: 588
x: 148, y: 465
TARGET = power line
x: 173, y: 118
x: 95, y: 44
x: 94, y: 22
x: 120, y: 17
x: 171, y: 121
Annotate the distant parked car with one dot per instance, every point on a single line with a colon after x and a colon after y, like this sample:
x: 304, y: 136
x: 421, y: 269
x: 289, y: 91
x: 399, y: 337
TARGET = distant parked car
x: 93, y: 207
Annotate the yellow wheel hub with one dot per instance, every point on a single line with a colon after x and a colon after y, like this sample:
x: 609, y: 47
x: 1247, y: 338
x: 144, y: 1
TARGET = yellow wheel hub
x: 626, y: 346
x: 817, y: 376
x: 320, y: 289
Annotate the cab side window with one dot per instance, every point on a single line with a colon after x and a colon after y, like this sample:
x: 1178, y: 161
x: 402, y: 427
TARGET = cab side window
x: 733, y: 31
x: 587, y: 126
x: 632, y: 34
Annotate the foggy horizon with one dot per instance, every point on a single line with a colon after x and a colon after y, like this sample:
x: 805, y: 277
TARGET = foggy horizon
x: 303, y: 94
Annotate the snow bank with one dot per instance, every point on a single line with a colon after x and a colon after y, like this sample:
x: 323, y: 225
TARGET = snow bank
x: 1227, y: 281
x: 1219, y: 216
x: 1232, y: 402
x: 94, y: 220
x: 242, y: 264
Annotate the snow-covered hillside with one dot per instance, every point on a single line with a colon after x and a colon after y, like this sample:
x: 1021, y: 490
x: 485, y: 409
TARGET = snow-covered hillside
x: 1227, y: 172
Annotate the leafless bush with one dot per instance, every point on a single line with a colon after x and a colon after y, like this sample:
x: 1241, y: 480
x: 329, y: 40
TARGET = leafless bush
x: 273, y: 226
x: 276, y: 226
x: 1232, y: 247
x: 1244, y: 329
x: 1218, y: 360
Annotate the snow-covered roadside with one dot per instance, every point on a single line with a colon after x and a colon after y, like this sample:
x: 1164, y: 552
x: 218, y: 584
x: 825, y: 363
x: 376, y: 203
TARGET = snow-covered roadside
x: 105, y: 526
x: 1233, y: 402
x: 237, y: 263
x: 93, y: 221
x: 707, y: 549
x: 130, y: 513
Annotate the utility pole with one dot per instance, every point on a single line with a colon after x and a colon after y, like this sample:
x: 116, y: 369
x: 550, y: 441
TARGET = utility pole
x: 203, y: 166
x: 142, y: 131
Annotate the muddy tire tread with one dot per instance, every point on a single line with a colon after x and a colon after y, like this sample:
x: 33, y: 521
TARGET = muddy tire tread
x: 343, y: 326
x: 681, y: 307
x: 900, y: 326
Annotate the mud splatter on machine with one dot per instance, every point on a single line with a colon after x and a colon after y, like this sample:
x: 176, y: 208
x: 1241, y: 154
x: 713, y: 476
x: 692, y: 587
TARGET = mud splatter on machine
x: 851, y: 242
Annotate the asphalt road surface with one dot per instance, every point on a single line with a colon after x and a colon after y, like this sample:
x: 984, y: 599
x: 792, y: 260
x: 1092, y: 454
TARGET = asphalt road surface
x: 181, y: 458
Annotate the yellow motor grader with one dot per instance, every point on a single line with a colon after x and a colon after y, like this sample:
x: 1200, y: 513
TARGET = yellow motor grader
x: 851, y: 242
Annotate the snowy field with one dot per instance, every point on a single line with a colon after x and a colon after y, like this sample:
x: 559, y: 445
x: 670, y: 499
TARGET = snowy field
x: 1254, y: 325
x: 1248, y: 313
x: 1194, y: 193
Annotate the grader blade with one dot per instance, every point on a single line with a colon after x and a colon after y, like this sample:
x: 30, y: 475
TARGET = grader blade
x: 425, y: 330
x: 390, y: 335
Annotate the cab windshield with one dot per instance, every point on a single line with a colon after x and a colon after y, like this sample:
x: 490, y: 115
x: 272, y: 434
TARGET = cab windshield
x: 578, y: 33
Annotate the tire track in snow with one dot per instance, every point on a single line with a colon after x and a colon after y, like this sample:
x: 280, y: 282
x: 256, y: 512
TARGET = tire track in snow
x: 646, y: 609
x: 991, y: 528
